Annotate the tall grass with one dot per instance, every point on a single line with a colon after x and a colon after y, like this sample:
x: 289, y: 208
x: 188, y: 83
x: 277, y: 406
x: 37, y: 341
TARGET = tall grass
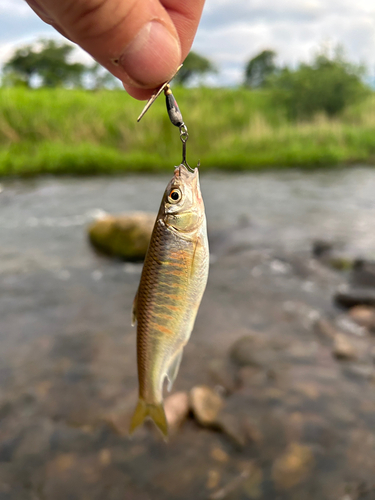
x: 80, y: 132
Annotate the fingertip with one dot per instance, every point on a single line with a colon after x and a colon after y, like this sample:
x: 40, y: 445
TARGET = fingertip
x: 137, y: 93
x: 152, y: 57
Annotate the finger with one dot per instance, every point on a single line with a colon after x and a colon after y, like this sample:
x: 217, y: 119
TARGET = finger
x: 136, y: 40
x: 140, y: 94
x: 185, y: 16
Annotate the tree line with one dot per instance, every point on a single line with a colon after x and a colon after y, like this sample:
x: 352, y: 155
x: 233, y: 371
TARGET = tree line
x: 47, y: 63
x: 328, y: 84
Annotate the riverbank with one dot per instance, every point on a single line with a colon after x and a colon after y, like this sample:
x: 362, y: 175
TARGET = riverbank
x: 59, y: 131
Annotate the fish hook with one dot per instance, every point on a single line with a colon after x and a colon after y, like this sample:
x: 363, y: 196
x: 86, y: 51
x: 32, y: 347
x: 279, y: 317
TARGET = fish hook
x: 174, y: 114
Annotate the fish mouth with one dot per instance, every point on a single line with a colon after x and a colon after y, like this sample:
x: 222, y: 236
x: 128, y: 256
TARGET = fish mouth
x: 183, y: 172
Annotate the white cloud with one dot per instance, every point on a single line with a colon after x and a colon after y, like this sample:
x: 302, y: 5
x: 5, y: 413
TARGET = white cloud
x: 233, y: 31
x: 17, y: 7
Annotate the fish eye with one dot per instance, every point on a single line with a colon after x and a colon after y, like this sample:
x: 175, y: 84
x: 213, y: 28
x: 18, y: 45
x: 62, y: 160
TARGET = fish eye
x: 174, y: 196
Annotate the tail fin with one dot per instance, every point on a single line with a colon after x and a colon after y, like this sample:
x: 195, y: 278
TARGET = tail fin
x: 155, y: 412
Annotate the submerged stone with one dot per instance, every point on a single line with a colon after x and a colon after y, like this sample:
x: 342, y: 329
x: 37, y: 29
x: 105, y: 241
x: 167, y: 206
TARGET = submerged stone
x: 206, y: 405
x: 176, y: 407
x: 293, y: 466
x: 364, y: 316
x: 343, y: 348
x: 126, y: 236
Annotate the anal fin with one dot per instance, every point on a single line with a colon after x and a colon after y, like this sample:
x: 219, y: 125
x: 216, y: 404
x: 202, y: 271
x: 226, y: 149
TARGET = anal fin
x: 173, y: 368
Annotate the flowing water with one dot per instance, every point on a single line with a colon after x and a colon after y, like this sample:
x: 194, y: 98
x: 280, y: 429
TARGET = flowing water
x: 67, y: 351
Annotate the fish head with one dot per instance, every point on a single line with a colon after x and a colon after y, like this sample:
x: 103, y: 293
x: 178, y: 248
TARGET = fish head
x: 182, y: 206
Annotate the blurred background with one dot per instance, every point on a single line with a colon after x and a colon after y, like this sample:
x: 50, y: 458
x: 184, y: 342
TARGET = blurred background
x: 275, y: 398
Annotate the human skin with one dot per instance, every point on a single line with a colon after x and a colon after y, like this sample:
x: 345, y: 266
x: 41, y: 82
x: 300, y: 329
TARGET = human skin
x: 141, y: 42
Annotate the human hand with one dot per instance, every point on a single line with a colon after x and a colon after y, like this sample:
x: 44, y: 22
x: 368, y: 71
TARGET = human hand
x: 142, y: 42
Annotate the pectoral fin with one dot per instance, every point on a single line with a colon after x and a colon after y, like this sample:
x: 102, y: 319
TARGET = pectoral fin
x: 134, y: 311
x: 173, y: 369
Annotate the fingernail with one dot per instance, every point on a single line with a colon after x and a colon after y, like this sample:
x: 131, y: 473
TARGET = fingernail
x: 152, y: 57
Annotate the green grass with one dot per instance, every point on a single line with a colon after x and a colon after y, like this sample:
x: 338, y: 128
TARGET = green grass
x: 79, y: 132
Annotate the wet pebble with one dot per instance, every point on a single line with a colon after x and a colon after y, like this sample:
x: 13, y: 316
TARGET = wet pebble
x: 219, y: 455
x: 364, y: 316
x: 206, y: 405
x: 293, y: 466
x: 343, y: 348
x: 176, y: 408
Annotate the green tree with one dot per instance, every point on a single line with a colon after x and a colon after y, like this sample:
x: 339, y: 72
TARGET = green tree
x: 194, y: 65
x: 98, y: 77
x: 260, y: 68
x: 327, y: 85
x: 46, y: 62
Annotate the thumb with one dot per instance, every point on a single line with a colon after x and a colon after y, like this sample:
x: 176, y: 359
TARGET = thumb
x: 135, y: 40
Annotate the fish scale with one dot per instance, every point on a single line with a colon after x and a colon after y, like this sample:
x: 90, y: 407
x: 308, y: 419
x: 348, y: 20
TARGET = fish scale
x: 173, y: 280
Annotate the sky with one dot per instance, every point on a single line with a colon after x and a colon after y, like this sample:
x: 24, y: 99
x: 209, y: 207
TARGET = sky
x: 233, y: 31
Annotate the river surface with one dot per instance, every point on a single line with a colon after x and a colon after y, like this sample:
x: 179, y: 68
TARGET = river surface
x: 67, y: 351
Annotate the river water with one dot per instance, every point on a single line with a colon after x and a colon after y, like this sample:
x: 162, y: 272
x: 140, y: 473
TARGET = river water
x: 67, y: 351
x: 40, y: 219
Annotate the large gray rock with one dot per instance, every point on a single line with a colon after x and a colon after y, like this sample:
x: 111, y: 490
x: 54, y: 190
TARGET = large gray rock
x: 126, y: 236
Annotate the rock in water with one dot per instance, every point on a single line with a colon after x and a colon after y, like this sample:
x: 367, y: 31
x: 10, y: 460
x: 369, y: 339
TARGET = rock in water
x: 364, y: 316
x: 126, y: 236
x: 343, y: 348
x: 206, y: 405
x: 176, y: 407
x: 349, y: 297
x: 293, y: 466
